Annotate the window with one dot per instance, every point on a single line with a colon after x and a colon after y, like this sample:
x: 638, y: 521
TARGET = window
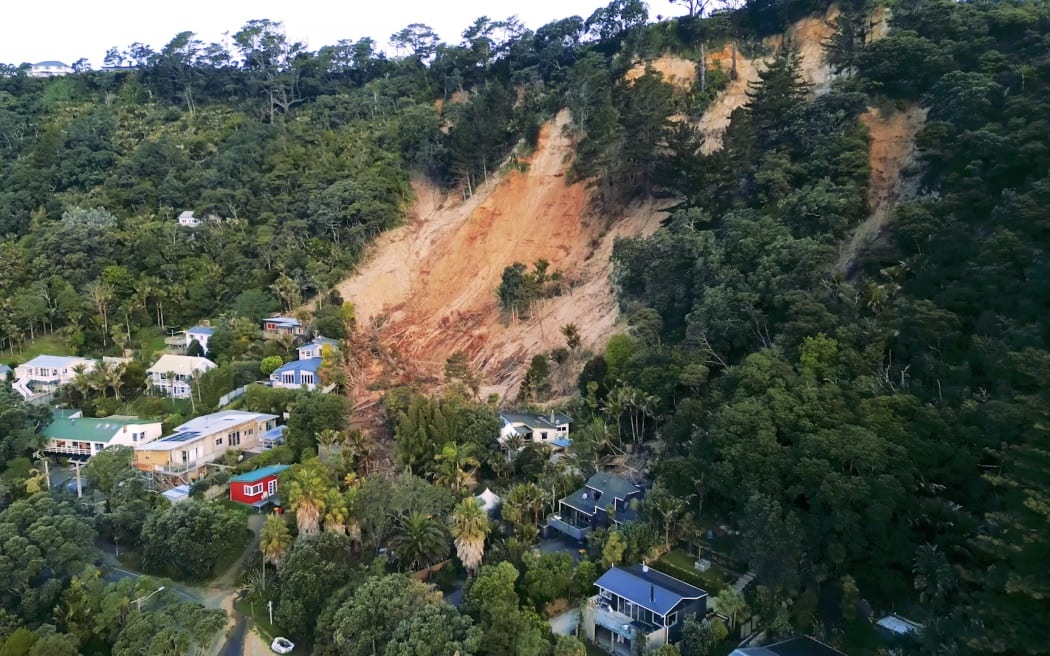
x: 308, y: 379
x: 218, y: 441
x: 271, y: 486
x: 235, y: 438
x: 672, y: 619
x: 288, y: 379
x: 252, y: 490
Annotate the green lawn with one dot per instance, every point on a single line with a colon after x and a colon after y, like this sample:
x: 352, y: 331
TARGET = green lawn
x: 151, y: 342
x: 52, y: 344
x: 679, y: 564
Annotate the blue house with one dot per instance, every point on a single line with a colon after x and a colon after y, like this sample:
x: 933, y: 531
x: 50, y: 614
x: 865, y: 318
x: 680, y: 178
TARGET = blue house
x: 296, y: 374
x: 638, y: 604
x: 314, y: 348
x: 605, y: 500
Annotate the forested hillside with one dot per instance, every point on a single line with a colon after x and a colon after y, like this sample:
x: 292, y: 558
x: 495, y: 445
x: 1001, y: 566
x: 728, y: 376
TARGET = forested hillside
x: 832, y: 367
x: 888, y: 427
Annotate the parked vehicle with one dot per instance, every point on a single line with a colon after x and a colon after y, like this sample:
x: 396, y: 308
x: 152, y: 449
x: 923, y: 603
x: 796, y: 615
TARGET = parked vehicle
x: 282, y: 645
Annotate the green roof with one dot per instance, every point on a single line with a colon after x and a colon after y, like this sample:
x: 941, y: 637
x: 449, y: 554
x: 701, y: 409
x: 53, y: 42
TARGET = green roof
x: 258, y: 474
x: 90, y: 429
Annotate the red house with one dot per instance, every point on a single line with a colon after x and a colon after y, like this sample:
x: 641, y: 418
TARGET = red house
x: 256, y: 488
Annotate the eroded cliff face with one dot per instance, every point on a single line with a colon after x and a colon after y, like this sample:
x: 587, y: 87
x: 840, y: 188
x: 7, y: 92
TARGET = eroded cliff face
x: 427, y: 289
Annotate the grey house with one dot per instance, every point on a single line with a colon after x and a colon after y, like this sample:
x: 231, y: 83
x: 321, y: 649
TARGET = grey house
x: 638, y: 607
x: 605, y: 500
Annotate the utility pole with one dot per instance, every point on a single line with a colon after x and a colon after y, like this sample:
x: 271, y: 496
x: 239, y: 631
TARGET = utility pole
x: 76, y: 467
x: 269, y: 606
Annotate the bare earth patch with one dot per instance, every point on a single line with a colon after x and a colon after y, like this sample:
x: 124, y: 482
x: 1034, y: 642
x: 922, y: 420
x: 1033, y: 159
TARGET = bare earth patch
x: 428, y: 289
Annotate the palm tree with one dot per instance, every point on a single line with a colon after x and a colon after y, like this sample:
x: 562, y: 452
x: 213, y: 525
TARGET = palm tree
x: 101, y: 295
x: 469, y: 526
x: 307, y: 491
x: 336, y: 513
x: 419, y: 541
x: 328, y: 438
x: 731, y: 603
x: 456, y: 467
x: 274, y: 540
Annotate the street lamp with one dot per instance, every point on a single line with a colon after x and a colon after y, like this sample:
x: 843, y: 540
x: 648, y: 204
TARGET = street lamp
x: 138, y: 602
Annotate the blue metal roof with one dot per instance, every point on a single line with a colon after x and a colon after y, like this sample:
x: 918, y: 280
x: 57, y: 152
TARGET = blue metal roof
x: 562, y: 442
x: 276, y: 433
x: 258, y: 474
x: 54, y: 361
x: 648, y: 588
x: 283, y: 321
x: 311, y: 365
x: 202, y: 330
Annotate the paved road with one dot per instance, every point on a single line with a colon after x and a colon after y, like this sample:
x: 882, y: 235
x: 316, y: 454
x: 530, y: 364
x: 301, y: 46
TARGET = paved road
x: 235, y: 643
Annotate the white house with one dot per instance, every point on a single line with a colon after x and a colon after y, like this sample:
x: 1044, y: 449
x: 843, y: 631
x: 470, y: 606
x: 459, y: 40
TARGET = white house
x: 187, y: 220
x: 201, y: 334
x: 46, y: 373
x: 171, y: 374
x: 86, y: 436
x: 550, y: 429
x: 297, y: 374
x: 50, y: 68
x: 313, y: 349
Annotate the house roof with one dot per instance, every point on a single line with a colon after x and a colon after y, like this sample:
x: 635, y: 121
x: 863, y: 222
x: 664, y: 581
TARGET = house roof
x: 289, y: 322
x: 202, y: 427
x: 321, y: 341
x: 90, y: 429
x: 177, y: 493
x: 648, y: 588
x: 51, y: 62
x: 55, y: 361
x: 562, y: 442
x: 534, y: 420
x: 258, y: 474
x: 201, y: 330
x: 184, y: 365
x: 187, y: 214
x: 274, y: 434
x: 611, y: 485
x: 310, y: 364
x: 797, y: 646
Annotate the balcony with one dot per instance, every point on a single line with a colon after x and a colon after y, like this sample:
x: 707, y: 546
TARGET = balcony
x: 577, y: 532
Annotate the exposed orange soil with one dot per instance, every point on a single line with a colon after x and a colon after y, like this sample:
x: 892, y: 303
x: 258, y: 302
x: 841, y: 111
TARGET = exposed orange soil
x: 891, y: 155
x: 428, y: 288
x: 676, y: 70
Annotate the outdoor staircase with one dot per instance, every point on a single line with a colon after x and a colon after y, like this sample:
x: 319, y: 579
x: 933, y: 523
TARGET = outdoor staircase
x: 743, y: 581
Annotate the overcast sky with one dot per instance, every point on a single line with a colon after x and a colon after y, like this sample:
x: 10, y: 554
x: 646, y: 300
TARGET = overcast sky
x: 67, y: 30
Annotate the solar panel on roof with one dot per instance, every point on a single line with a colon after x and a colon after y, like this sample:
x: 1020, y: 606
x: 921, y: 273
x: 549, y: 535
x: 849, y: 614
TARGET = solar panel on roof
x: 182, y: 437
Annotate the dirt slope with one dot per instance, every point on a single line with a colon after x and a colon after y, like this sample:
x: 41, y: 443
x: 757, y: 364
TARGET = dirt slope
x: 676, y: 70
x: 428, y: 288
x: 892, y: 160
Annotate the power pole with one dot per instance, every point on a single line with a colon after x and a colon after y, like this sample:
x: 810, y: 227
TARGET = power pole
x: 76, y: 467
x: 47, y: 466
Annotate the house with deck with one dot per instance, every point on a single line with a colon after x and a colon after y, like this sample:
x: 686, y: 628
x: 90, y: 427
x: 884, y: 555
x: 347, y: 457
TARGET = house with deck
x: 46, y: 373
x: 257, y: 488
x: 183, y: 456
x: 551, y: 428
x: 639, y: 606
x: 605, y: 500
x: 172, y: 374
x: 297, y: 374
x: 200, y: 334
x: 73, y: 435
x: 188, y: 220
x: 274, y: 327
x: 315, y: 347
x: 49, y: 68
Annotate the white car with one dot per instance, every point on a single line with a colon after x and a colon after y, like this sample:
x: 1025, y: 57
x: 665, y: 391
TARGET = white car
x: 282, y: 645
